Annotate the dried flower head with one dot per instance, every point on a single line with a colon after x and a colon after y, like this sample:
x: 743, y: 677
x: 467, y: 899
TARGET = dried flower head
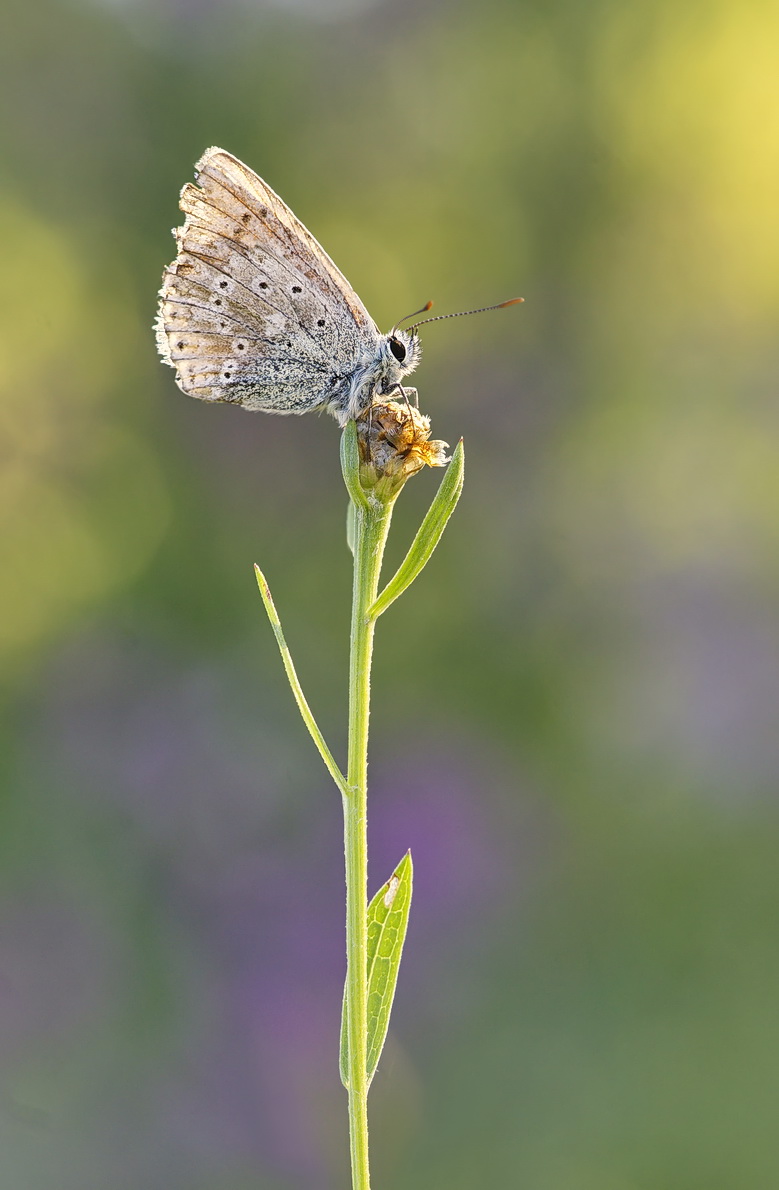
x: 394, y: 441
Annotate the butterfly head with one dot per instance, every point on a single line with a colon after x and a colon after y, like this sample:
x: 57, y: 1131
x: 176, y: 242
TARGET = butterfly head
x: 402, y: 352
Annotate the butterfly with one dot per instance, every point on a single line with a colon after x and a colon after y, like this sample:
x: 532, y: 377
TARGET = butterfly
x: 253, y: 312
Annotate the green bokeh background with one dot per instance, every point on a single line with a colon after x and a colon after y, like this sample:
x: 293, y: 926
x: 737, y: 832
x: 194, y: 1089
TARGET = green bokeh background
x: 575, y: 723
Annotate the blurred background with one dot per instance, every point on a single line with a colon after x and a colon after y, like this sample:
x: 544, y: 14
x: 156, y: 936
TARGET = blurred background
x: 575, y: 711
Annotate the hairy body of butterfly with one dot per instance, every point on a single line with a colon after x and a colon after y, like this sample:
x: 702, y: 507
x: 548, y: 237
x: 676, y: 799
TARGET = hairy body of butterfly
x: 253, y: 311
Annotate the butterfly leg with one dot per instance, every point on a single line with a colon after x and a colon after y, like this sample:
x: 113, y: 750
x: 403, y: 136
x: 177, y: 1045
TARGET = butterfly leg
x: 369, y: 438
x: 404, y: 394
x: 410, y: 411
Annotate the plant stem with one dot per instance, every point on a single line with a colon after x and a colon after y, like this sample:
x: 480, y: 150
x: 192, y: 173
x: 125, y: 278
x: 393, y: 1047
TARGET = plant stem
x: 372, y: 521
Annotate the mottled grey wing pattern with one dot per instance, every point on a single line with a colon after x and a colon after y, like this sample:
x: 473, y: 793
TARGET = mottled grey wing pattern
x: 252, y: 310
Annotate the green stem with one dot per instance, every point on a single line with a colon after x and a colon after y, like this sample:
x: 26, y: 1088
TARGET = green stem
x: 372, y: 520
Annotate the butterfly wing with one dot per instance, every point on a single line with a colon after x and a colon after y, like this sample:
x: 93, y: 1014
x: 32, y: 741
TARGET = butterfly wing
x: 252, y: 310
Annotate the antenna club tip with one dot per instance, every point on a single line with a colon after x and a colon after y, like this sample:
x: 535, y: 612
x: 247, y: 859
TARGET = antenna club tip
x: 429, y: 306
x: 510, y: 302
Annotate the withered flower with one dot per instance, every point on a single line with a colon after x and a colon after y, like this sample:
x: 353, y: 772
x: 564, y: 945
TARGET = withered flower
x: 394, y: 443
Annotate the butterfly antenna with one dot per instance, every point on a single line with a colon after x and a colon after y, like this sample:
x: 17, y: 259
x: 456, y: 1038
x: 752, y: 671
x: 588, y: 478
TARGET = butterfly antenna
x: 462, y: 313
x: 405, y: 318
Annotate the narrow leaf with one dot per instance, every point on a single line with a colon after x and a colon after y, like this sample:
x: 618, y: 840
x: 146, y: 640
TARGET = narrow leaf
x: 387, y: 923
x: 297, y: 689
x: 351, y: 526
x: 350, y: 464
x: 428, y: 534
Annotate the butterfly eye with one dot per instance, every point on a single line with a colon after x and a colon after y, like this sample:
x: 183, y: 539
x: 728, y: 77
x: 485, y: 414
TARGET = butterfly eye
x: 398, y: 350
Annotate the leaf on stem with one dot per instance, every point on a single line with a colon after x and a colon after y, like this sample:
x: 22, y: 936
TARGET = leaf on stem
x: 351, y: 526
x: 387, y: 923
x: 428, y: 534
x: 297, y: 689
x: 350, y: 465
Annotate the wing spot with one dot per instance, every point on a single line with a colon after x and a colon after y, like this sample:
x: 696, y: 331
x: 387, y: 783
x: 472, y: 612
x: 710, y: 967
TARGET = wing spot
x: 263, y: 284
x: 297, y: 289
x: 227, y: 375
x: 240, y: 346
x: 245, y: 217
x: 217, y: 301
x: 223, y: 285
x: 180, y: 345
x: 320, y: 322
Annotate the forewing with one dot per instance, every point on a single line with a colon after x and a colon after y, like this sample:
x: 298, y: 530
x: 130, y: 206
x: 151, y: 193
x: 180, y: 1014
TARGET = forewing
x: 253, y: 311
